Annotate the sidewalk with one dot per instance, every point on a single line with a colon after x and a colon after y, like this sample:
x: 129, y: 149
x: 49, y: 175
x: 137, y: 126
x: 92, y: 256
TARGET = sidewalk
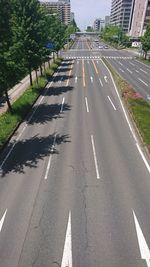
x: 18, y: 89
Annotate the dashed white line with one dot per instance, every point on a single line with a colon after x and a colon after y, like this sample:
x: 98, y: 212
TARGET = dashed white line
x: 101, y: 82
x: 87, y: 106
x: 105, y: 78
x: 131, y: 64
x: 136, y: 71
x: 143, y: 71
x: 144, y: 249
x: 2, y: 220
x: 62, y: 105
x: 120, y: 63
x: 50, y: 158
x: 67, y: 253
x: 129, y: 71
x: 95, y: 158
x: 76, y: 78
x: 121, y: 70
x: 111, y: 103
x: 142, y: 81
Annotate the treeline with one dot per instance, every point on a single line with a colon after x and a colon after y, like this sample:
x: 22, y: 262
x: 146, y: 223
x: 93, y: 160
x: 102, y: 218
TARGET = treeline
x: 26, y: 29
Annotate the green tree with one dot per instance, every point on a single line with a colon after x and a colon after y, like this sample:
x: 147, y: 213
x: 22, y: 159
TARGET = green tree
x: 145, y: 40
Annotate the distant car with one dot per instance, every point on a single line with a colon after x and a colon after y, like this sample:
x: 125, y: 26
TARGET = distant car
x: 100, y: 47
x: 106, y: 46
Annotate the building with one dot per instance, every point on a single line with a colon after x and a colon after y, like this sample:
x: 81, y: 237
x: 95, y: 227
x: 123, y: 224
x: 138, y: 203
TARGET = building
x: 62, y: 8
x: 120, y: 13
x: 140, y: 16
x: 98, y: 23
x: 107, y: 20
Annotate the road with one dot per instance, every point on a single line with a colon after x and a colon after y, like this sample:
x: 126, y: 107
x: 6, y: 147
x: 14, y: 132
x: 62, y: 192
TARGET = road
x: 75, y: 182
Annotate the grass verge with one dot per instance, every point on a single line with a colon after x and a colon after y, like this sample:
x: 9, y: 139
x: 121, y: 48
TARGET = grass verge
x: 9, y: 122
x: 137, y: 106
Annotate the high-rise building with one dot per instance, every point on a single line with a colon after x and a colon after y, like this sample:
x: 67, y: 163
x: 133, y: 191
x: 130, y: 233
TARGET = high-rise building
x: 98, y: 23
x: 140, y: 16
x: 120, y: 13
x: 62, y: 8
x: 107, y: 20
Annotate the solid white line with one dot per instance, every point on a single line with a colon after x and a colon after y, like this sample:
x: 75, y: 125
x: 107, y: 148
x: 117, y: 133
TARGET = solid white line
x: 101, y: 82
x: 67, y: 253
x: 129, y: 70
x: 87, y: 106
x: 143, y: 81
x: 144, y: 249
x: 143, y: 71
x: 143, y: 157
x: 2, y: 220
x: 111, y: 102
x: 62, y: 105
x: 124, y: 111
x: 95, y: 158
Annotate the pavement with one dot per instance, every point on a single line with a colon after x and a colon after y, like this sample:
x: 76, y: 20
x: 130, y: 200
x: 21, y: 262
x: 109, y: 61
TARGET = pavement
x: 75, y: 182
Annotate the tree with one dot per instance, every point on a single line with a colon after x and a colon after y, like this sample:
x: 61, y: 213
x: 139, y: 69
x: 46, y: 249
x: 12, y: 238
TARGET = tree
x: 145, y: 40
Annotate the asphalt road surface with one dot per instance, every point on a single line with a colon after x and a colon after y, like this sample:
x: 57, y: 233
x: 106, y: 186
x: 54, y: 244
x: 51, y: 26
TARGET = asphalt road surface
x: 75, y: 182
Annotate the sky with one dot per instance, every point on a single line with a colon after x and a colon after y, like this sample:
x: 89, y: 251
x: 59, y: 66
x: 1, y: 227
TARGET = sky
x: 86, y: 11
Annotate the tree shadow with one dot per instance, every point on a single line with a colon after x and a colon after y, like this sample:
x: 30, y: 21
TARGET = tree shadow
x: 47, y: 113
x: 28, y: 152
x: 61, y: 78
x: 58, y: 90
x: 65, y: 69
x: 2, y: 101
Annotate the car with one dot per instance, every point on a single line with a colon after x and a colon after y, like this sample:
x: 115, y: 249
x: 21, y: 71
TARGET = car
x: 106, y: 46
x: 100, y: 47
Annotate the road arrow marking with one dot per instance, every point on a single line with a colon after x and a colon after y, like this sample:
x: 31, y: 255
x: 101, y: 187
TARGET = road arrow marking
x: 76, y: 78
x: 105, y: 78
x: 67, y: 254
x: 144, y: 250
x: 91, y: 79
x: 2, y: 220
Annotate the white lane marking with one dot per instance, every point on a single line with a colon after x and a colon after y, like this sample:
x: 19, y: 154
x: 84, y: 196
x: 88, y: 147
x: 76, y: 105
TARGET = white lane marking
x: 143, y: 71
x: 148, y: 97
x: 67, y: 253
x: 87, y: 106
x: 131, y: 64
x: 143, y: 157
x: 62, y: 105
x: 101, y: 82
x: 120, y: 63
x: 88, y: 61
x: 78, y: 62
x: 136, y: 71
x: 124, y: 111
x: 121, y: 70
x: 111, y: 102
x: 105, y: 78
x: 76, y: 78
x: 2, y: 220
x: 97, y: 62
x: 144, y: 249
x: 95, y: 158
x: 91, y: 79
x: 129, y: 71
x: 143, y: 81
x: 50, y: 158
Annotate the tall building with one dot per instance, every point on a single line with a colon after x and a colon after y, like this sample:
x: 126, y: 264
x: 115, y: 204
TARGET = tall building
x: 140, y: 16
x: 107, y: 20
x: 120, y: 13
x: 98, y: 24
x: 62, y: 8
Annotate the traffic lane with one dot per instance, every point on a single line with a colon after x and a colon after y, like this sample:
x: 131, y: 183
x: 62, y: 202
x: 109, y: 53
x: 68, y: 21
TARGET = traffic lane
x: 63, y: 193
x: 19, y: 187
x: 120, y: 168
x: 115, y: 53
x: 131, y: 67
x: 139, y: 86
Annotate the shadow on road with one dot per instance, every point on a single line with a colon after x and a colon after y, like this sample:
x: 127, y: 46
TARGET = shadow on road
x: 46, y: 113
x: 28, y: 152
x: 60, y: 78
x: 58, y: 90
